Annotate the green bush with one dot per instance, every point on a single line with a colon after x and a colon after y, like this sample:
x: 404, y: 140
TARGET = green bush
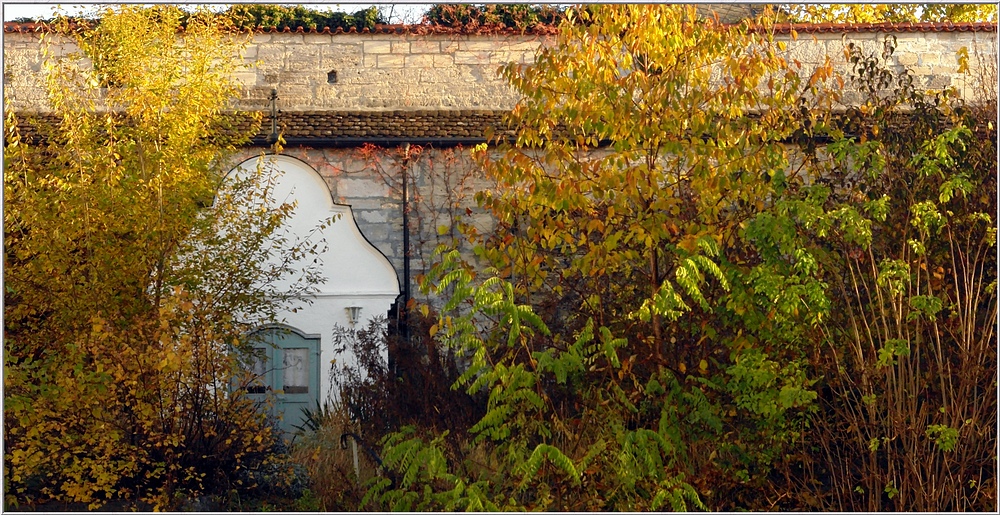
x: 514, y: 16
x: 252, y: 16
x: 909, y: 356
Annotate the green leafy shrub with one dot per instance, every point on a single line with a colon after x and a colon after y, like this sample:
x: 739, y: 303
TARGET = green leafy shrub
x: 128, y: 292
x: 253, y: 16
x: 266, y: 16
x: 514, y: 16
x: 642, y: 295
x: 909, y: 359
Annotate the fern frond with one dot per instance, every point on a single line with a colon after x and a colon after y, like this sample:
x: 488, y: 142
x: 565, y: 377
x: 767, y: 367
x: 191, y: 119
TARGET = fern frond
x: 545, y: 452
x: 610, y: 346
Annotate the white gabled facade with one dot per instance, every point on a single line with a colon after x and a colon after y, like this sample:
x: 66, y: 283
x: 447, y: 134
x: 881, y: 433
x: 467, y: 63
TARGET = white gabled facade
x: 355, y: 273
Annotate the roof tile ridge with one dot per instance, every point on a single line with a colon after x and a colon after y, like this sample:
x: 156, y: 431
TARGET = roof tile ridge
x: 920, y: 26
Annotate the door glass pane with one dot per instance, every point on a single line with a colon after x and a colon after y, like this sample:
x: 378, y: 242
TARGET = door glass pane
x: 258, y: 384
x: 296, y: 371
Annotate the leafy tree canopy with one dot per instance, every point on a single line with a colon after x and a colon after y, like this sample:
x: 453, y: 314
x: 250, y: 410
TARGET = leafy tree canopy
x: 130, y: 281
x: 612, y: 332
x: 706, y: 290
x: 253, y: 16
x: 526, y: 16
x: 896, y: 13
x: 517, y: 16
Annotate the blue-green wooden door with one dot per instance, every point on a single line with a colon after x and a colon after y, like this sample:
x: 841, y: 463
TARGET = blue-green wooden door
x: 287, y: 370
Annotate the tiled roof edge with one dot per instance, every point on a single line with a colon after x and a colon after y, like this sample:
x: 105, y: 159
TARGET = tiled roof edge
x: 353, y: 124
x: 420, y: 29
x: 814, y: 28
x: 355, y: 128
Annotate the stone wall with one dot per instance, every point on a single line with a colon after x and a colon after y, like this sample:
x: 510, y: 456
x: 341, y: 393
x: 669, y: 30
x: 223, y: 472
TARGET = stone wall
x: 933, y: 57
x: 408, y: 72
x: 373, y: 71
x: 389, y: 71
x: 442, y: 184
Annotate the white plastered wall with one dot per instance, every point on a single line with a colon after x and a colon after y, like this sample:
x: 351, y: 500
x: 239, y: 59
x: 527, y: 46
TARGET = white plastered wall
x: 356, y: 273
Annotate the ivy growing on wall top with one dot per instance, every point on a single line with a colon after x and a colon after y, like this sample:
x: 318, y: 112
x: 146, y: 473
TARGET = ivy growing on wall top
x: 267, y: 16
x: 538, y: 16
x: 252, y: 16
x: 515, y: 16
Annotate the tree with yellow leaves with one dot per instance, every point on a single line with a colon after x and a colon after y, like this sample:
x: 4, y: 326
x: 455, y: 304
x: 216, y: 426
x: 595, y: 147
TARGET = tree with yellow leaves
x: 128, y: 290
x: 894, y: 13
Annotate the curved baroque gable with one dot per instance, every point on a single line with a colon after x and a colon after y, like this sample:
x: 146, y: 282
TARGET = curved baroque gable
x: 350, y: 264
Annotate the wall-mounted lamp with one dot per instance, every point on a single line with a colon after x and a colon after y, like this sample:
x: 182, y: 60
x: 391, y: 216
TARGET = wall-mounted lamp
x: 353, y: 314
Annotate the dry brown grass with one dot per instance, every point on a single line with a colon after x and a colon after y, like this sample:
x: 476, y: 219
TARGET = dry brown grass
x: 331, y: 469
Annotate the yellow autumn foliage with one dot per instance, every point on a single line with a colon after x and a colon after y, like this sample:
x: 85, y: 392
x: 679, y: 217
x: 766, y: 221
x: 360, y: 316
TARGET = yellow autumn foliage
x: 127, y: 290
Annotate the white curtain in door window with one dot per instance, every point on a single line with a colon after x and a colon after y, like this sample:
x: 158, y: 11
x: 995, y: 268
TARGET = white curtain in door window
x: 296, y: 373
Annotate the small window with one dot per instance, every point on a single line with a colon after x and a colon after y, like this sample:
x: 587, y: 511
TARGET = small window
x: 331, y: 77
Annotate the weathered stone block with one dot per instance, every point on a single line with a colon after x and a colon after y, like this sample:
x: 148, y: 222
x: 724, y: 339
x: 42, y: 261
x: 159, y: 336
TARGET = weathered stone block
x: 272, y: 56
x: 356, y: 188
x: 805, y: 52
x: 294, y: 78
x: 425, y: 46
x: 465, y: 57
x: 377, y: 47
x: 520, y: 46
x: 317, y: 39
x: 358, y: 204
x: 504, y: 57
x: 293, y: 95
x: 391, y: 61
x: 298, y: 57
x: 375, y: 217
x: 420, y: 60
x: 287, y: 38
x: 377, y: 234
x: 250, y: 52
x: 341, y: 52
x: 937, y: 81
x: 344, y: 65
x: 478, y: 45
x: 246, y: 78
x: 443, y: 61
x: 446, y: 75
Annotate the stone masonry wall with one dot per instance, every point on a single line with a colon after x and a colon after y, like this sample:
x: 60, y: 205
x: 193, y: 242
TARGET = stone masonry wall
x: 453, y: 71
x: 441, y: 189
x: 373, y: 71
x: 394, y: 72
